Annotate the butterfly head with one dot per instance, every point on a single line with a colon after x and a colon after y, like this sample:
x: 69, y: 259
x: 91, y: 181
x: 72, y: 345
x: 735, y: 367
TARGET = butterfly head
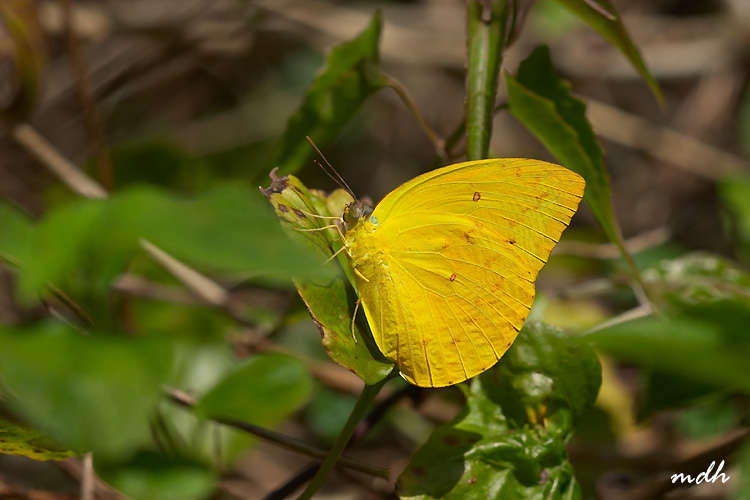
x: 355, y: 212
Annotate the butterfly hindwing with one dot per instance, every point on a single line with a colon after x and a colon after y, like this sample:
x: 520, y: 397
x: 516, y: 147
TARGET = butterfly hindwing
x: 458, y: 250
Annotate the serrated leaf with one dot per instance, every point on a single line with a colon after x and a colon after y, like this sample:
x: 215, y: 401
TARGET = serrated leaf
x: 351, y: 75
x: 149, y: 476
x: 544, y: 104
x: 25, y: 442
x: 330, y: 302
x: 509, y: 442
x: 608, y: 23
x: 262, y: 391
x: 87, y: 392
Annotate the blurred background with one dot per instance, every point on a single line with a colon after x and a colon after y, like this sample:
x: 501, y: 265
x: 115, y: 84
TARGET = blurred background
x: 185, y: 94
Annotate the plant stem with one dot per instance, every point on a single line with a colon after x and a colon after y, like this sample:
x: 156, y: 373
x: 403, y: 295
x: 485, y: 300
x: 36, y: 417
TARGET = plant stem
x: 486, y: 25
x: 437, y: 142
x: 183, y: 399
x: 366, y: 397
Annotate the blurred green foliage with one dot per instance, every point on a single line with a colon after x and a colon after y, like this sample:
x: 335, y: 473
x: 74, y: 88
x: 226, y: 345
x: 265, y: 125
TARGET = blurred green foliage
x: 101, y: 389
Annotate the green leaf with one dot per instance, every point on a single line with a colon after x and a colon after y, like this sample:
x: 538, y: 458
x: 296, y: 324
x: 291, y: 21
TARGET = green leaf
x: 149, y: 476
x: 16, y: 231
x: 697, y: 278
x: 350, y: 76
x: 83, y: 246
x: 609, y: 24
x: 87, y: 392
x: 547, y: 368
x: 486, y: 25
x: 331, y: 306
x: 330, y: 302
x: 17, y: 440
x: 704, y: 343
x: 509, y: 442
x: 544, y: 104
x: 262, y: 391
x: 735, y: 192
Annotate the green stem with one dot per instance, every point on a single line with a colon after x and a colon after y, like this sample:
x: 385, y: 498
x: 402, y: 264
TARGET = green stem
x: 459, y: 132
x: 486, y: 24
x: 366, y: 397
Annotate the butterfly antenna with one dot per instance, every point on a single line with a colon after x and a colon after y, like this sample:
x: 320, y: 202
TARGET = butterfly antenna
x: 341, y: 182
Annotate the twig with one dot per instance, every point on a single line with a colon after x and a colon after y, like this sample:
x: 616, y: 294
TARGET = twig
x: 377, y: 413
x: 205, y: 288
x: 334, y: 455
x: 610, y: 251
x: 138, y: 286
x: 49, y: 156
x: 86, y: 99
x: 75, y: 469
x: 87, y: 480
x: 186, y: 400
x: 66, y: 171
x: 438, y: 143
x: 294, y: 482
x: 662, y: 143
x: 641, y: 311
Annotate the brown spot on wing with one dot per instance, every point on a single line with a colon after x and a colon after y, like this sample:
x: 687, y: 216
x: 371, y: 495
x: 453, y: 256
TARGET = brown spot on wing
x: 299, y: 213
x: 283, y: 208
x: 453, y: 277
x: 477, y: 195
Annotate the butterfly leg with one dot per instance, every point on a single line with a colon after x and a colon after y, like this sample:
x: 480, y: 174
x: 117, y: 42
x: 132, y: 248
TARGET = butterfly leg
x: 354, y: 318
x: 356, y: 271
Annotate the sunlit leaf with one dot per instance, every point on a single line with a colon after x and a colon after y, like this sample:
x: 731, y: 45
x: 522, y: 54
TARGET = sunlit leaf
x: 18, y: 440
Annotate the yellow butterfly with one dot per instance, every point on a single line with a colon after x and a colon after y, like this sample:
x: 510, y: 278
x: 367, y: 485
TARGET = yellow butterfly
x: 445, y: 264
